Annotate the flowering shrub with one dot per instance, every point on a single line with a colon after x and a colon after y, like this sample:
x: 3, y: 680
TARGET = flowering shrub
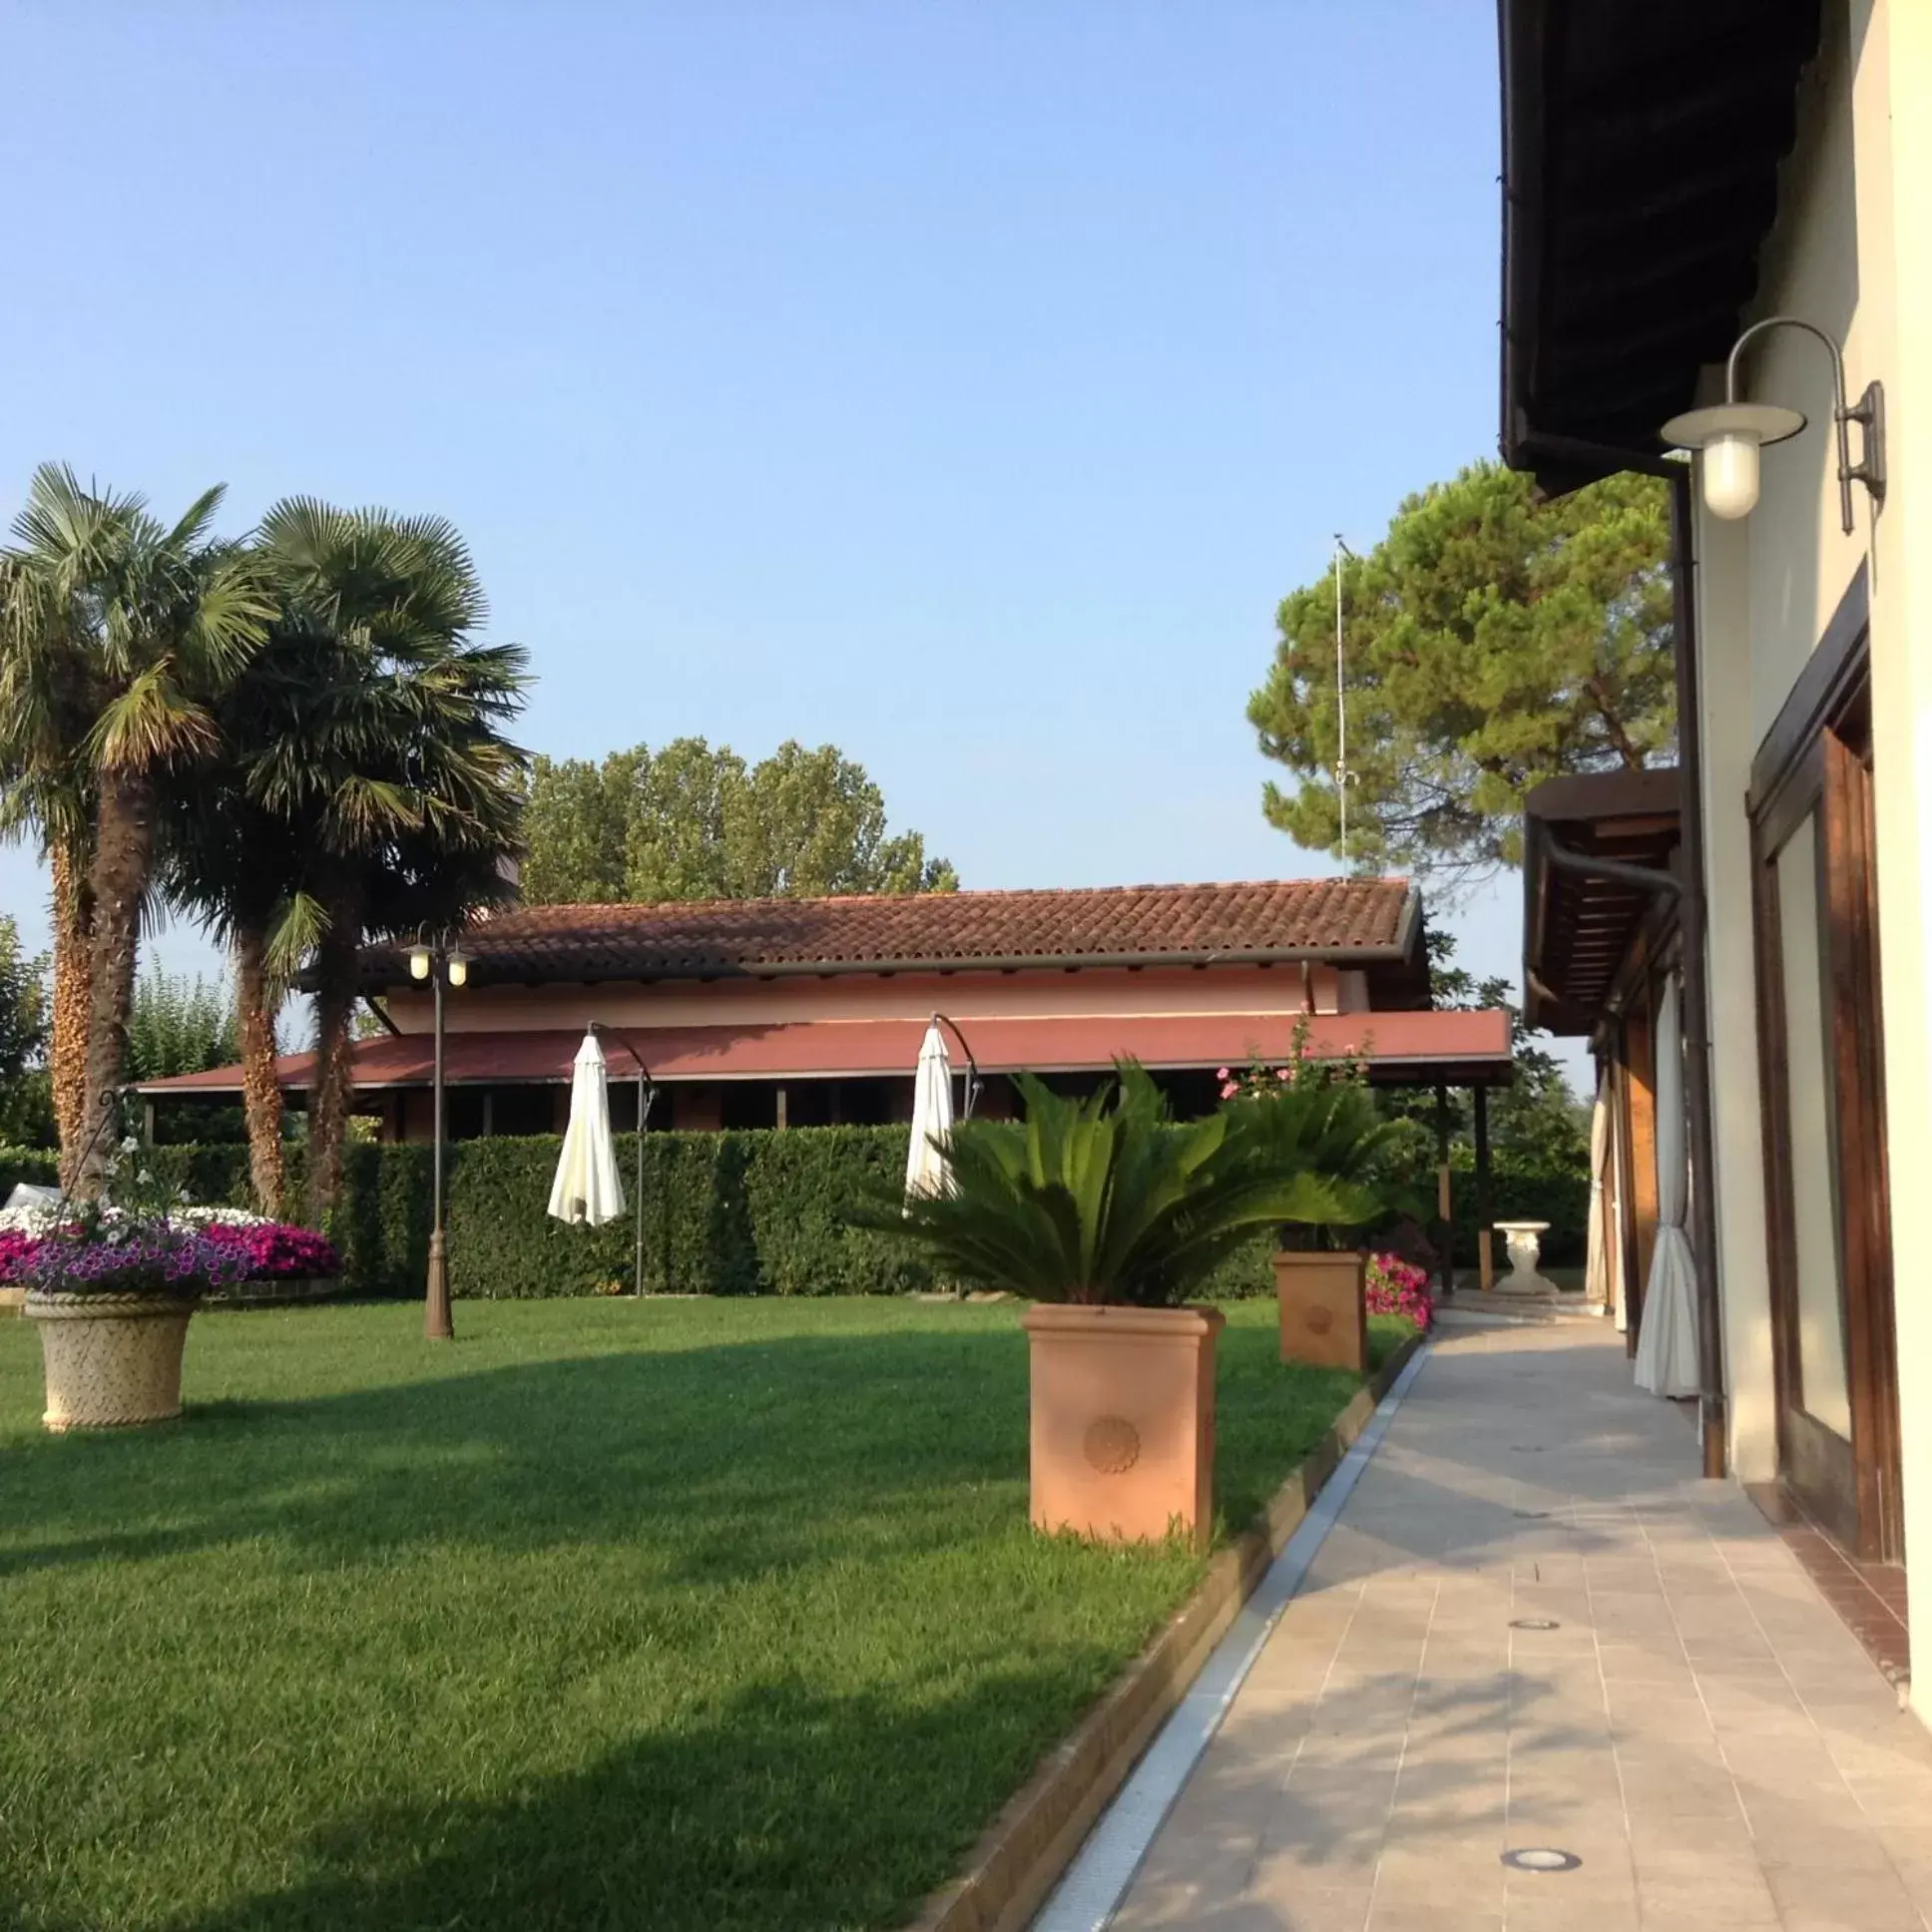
x: 135, y: 1257
x: 1399, y: 1288
x: 274, y: 1252
x: 1300, y: 1068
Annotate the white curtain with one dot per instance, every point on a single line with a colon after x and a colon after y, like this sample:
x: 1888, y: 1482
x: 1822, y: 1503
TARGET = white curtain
x: 1667, y: 1341
x: 1596, y: 1280
x: 1614, y: 1223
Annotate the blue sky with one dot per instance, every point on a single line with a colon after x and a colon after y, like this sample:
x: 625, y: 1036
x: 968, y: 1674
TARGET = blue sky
x: 961, y: 381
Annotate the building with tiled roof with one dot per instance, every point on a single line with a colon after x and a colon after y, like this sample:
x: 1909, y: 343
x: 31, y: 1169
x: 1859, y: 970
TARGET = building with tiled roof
x: 766, y: 1012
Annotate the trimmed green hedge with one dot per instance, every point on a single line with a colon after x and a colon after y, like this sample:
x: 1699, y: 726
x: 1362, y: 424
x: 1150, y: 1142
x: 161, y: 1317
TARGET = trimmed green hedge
x: 750, y: 1212
x: 1519, y: 1190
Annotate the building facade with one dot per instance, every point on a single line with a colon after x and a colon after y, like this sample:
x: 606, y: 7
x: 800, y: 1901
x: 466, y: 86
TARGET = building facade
x: 1674, y: 176
x: 811, y: 1012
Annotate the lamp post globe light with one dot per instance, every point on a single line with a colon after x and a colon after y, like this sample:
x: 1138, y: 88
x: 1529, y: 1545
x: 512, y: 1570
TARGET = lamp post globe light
x: 437, y: 964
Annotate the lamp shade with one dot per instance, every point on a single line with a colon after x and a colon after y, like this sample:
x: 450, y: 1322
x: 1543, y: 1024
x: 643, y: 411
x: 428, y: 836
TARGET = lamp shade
x: 459, y: 967
x: 1728, y: 436
x: 418, y: 962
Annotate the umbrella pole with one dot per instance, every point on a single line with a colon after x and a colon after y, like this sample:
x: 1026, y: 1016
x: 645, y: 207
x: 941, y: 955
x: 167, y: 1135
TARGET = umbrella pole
x: 637, y: 1267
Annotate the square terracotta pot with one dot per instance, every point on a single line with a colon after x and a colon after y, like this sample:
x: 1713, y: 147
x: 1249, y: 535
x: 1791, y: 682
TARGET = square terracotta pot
x: 1324, y: 1308
x: 1122, y: 1404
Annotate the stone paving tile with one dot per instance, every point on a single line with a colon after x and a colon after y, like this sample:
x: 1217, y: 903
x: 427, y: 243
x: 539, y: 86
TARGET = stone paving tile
x: 1701, y: 1728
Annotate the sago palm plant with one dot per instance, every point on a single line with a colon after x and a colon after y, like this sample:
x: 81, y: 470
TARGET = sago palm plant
x: 1106, y: 1200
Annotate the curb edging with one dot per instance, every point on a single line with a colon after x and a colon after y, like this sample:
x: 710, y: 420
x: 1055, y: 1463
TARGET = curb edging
x: 1022, y: 1855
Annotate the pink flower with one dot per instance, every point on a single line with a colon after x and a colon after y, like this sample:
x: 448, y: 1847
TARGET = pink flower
x: 1220, y: 1073
x: 1283, y: 1073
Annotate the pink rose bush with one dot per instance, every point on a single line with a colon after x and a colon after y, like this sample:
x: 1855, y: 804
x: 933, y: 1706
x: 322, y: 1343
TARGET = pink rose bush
x: 1399, y: 1288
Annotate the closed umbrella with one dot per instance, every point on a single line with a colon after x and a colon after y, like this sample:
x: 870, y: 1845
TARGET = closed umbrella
x: 1597, y: 1272
x: 587, y: 1187
x: 1666, y: 1332
x: 927, y: 1171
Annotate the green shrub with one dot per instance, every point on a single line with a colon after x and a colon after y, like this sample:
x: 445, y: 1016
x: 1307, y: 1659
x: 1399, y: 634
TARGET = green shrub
x: 40, y: 1165
x: 749, y: 1212
x: 1523, y: 1190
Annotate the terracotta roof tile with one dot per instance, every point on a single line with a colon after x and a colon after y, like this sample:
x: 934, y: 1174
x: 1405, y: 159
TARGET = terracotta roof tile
x: 1362, y: 918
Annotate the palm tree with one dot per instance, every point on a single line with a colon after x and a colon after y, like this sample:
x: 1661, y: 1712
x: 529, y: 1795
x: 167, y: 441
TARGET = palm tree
x: 46, y: 792
x: 127, y: 630
x: 379, y: 741
x: 236, y: 866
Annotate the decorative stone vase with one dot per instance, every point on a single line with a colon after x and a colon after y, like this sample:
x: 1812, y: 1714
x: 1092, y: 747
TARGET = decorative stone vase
x: 112, y: 1360
x: 1525, y: 1243
x: 1123, y: 1420
x: 1323, y: 1300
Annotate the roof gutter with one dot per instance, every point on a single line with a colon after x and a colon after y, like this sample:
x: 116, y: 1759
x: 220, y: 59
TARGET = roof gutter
x: 1523, y: 37
x: 483, y: 970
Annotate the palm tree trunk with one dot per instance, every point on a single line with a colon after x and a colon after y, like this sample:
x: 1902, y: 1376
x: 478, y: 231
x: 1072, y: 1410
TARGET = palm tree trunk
x: 123, y: 854
x: 259, y: 998
x: 328, y: 1097
x: 67, y: 1052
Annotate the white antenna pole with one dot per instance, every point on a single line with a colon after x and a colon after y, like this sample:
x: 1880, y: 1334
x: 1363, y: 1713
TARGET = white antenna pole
x: 1342, y: 708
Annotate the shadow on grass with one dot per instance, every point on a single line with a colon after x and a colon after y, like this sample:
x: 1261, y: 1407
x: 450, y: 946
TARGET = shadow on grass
x: 742, y: 1816
x: 794, y: 1449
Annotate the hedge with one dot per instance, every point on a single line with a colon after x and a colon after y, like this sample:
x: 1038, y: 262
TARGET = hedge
x: 744, y: 1211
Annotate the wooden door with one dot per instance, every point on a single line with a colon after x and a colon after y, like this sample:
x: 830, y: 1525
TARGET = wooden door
x: 1821, y: 1063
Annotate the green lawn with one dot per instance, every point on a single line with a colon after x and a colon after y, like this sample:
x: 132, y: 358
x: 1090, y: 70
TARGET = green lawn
x: 699, y: 1614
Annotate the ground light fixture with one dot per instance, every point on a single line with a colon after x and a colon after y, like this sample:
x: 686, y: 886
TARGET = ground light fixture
x: 1729, y: 434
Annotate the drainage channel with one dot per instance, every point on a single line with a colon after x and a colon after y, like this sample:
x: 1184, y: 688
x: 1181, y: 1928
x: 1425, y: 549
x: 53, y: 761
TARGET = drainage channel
x: 1091, y: 1887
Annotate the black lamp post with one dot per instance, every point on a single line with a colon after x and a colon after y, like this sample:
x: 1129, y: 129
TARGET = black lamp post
x: 970, y: 1085
x: 437, y: 963
x: 647, y: 1093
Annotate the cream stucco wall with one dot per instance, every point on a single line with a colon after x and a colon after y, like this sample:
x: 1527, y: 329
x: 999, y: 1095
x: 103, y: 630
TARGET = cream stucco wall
x: 1902, y: 641
x: 790, y: 999
x: 1851, y: 252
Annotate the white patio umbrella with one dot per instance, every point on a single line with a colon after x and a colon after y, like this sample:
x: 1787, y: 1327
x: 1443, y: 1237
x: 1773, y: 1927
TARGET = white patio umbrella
x: 1667, y: 1335
x: 587, y: 1187
x: 927, y: 1171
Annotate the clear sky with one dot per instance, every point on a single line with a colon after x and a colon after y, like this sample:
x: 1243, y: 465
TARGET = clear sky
x: 962, y: 382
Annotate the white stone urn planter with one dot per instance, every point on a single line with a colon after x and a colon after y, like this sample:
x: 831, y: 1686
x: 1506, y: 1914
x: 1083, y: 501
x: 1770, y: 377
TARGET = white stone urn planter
x: 113, y: 1362
x: 1525, y: 1242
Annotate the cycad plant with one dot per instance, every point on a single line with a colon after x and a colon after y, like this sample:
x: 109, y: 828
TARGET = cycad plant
x: 1330, y: 1128
x: 1106, y: 1200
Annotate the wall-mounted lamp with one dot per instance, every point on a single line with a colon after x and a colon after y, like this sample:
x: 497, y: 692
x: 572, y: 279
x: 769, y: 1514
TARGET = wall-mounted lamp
x: 1730, y: 433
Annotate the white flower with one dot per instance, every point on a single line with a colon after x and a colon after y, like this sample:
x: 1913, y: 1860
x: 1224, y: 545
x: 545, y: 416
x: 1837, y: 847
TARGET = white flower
x: 144, y: 1179
x: 131, y: 1144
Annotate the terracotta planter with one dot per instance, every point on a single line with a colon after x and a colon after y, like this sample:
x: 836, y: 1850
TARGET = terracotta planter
x: 1122, y: 1403
x: 1324, y: 1308
x: 112, y: 1360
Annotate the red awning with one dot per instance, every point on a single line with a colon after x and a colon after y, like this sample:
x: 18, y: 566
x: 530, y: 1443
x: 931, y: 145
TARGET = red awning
x: 1462, y: 1047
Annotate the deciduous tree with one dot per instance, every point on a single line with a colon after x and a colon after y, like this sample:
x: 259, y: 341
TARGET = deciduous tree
x: 691, y: 822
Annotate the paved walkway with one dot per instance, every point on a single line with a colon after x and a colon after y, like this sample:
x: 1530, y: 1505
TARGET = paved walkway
x: 1695, y: 1725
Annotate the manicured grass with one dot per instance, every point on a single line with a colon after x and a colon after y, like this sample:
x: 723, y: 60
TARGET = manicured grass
x: 614, y: 1614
